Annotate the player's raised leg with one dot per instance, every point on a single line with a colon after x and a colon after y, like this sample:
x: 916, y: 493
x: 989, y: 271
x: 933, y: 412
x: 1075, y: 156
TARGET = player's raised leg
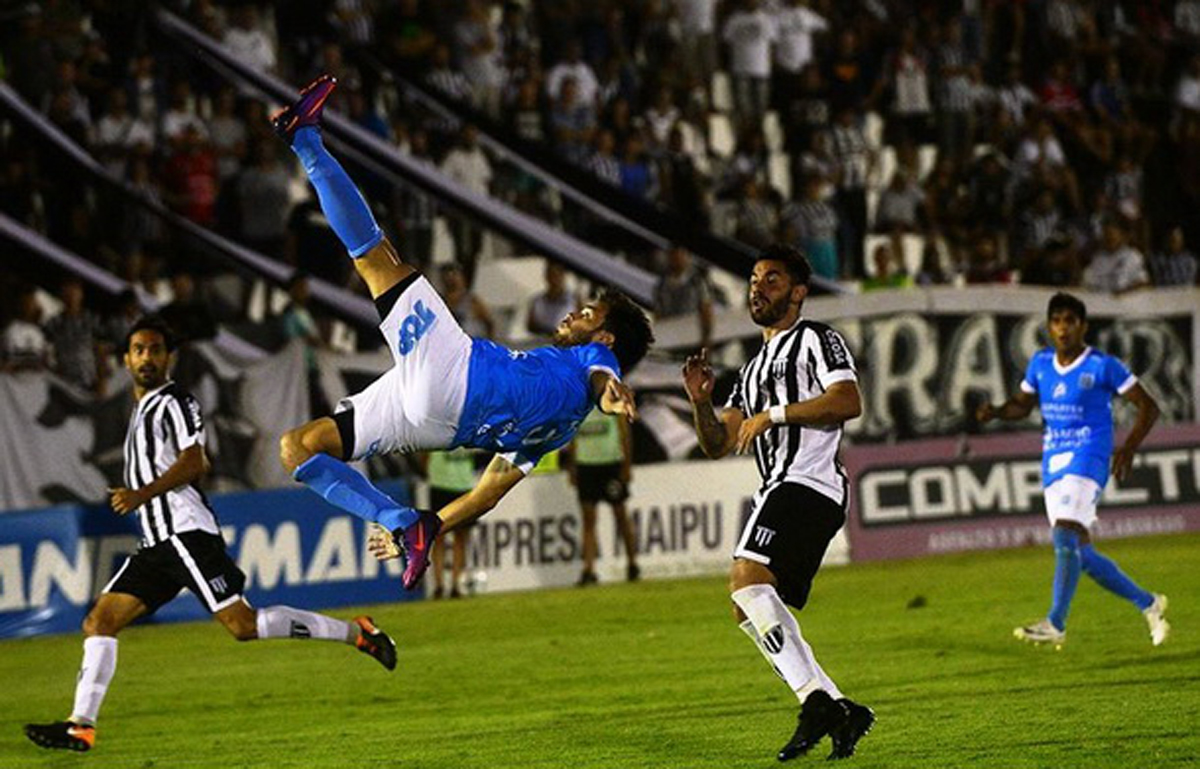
x: 1109, y: 576
x: 111, y: 614
x: 247, y: 624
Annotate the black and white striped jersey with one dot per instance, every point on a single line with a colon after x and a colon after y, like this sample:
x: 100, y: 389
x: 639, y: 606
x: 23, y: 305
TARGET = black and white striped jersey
x: 165, y: 422
x: 793, y: 366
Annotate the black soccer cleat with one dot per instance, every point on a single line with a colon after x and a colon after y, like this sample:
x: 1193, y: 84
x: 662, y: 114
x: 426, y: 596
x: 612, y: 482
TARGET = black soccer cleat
x: 306, y: 110
x: 62, y: 735
x: 850, y: 729
x: 818, y: 716
x: 417, y: 541
x: 373, y: 641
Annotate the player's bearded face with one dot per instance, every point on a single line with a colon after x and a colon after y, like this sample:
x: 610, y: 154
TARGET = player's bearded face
x: 1066, y: 331
x: 147, y: 359
x: 578, y: 327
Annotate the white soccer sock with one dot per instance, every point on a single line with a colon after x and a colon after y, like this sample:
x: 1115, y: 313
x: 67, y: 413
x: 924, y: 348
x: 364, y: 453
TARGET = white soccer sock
x: 777, y: 635
x: 286, y: 622
x: 95, y: 673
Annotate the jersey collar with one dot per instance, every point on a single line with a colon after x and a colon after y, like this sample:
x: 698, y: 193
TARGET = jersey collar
x: 1063, y: 370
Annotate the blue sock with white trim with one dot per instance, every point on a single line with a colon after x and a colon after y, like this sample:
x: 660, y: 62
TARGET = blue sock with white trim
x: 348, y: 214
x: 342, y: 485
x: 1109, y: 576
x: 1067, y: 564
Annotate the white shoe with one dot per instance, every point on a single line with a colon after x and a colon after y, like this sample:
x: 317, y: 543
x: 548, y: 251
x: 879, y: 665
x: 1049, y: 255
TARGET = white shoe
x: 1159, y: 627
x: 1042, y: 632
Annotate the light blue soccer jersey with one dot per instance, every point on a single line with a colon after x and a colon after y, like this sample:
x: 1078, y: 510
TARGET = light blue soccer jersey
x: 528, y: 403
x: 1076, y: 403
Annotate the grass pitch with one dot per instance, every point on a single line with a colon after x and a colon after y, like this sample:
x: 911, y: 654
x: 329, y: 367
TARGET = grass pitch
x: 657, y: 675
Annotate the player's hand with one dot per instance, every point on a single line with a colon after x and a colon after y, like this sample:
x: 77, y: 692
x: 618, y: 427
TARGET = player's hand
x: 698, y: 377
x: 381, y: 543
x: 985, y: 413
x: 751, y: 429
x: 1122, y: 462
x: 125, y: 500
x: 618, y: 399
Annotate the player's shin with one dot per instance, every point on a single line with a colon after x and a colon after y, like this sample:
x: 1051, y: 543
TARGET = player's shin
x: 777, y: 635
x: 344, y: 206
x: 347, y: 488
x: 286, y: 622
x: 99, y: 664
x: 1109, y: 576
x: 1067, y: 565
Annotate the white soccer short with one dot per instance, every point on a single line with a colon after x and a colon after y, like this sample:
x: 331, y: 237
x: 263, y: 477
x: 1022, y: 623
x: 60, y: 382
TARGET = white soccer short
x: 415, y: 405
x: 1073, y: 498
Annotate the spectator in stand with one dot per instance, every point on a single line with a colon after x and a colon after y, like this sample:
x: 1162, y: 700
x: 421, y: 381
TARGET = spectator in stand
x: 66, y: 92
x: 1117, y: 267
x: 140, y: 228
x: 797, y: 24
x: 812, y: 224
x: 806, y: 115
x: 23, y: 346
x: 119, y: 133
x: 572, y: 123
x: 414, y: 209
x: 468, y: 165
x: 147, y: 94
x: 956, y: 99
x: 907, y: 77
x: 1014, y: 96
x: 297, y: 322
x: 1037, y: 224
x: 602, y: 162
x: 638, y: 176
x: 247, y: 41
x: 931, y: 272
x: 573, y: 67
x: 900, y: 208
x: 1174, y: 265
x: 749, y: 32
x: 181, y: 115
x: 228, y: 134
x: 1056, y: 263
x: 468, y: 309
x: 445, y: 79
x: 684, y: 290
x: 188, y: 315
x: 75, y: 338
x: 264, y: 200
x: 1123, y: 188
x: 661, y: 117
x: 985, y: 264
x: 480, y: 56
x: 525, y: 117
x: 684, y: 186
x: 190, y: 178
x: 755, y: 217
x: 890, y: 272
x: 552, y: 304
x: 850, y: 77
x: 1040, y: 158
x: 855, y: 160
x: 1110, y: 102
x: 698, y: 41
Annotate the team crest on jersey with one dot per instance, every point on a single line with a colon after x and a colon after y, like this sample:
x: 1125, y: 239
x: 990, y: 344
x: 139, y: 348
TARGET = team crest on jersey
x: 1087, y: 381
x: 1060, y: 390
x: 779, y: 369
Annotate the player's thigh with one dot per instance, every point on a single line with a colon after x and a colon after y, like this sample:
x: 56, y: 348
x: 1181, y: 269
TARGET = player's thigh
x: 113, y: 612
x: 381, y: 268
x: 205, y: 568
x: 320, y: 436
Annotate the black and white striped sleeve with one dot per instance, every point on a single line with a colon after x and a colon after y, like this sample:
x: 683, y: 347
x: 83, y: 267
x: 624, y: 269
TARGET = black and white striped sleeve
x: 737, y: 397
x: 185, y: 420
x: 835, y: 363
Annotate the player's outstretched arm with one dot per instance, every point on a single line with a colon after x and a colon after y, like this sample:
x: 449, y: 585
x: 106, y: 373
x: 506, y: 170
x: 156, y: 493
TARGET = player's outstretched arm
x: 1015, y: 408
x: 191, y: 464
x: 1147, y: 415
x: 717, y: 434
x: 613, y: 396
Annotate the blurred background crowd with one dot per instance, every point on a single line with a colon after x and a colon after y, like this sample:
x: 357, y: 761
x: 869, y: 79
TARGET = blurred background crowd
x: 900, y: 144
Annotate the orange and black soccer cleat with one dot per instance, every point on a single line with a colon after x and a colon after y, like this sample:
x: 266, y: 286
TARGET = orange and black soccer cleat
x: 62, y: 735
x: 373, y: 641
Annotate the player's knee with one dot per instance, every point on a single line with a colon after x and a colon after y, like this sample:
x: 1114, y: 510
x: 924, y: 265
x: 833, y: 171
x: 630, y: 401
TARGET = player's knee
x: 292, y: 449
x: 98, y: 624
x: 744, y: 573
x: 242, y: 629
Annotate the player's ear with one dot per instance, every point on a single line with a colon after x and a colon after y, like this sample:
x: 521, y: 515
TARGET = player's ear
x: 799, y: 293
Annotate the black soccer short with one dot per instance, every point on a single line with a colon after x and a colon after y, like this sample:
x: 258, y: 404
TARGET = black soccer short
x: 600, y: 483
x: 195, y: 560
x: 789, y: 531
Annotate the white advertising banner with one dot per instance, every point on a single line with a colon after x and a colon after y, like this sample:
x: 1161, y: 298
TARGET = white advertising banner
x: 686, y: 515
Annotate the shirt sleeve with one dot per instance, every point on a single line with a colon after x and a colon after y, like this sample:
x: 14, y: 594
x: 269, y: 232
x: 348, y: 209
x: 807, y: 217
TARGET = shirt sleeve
x: 1118, y: 376
x: 834, y: 363
x: 185, y: 421
x: 736, y: 399
x: 1029, y: 383
x: 597, y: 357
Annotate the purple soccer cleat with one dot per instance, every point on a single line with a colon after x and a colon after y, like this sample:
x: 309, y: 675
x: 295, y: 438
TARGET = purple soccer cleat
x: 417, y: 541
x: 305, y: 111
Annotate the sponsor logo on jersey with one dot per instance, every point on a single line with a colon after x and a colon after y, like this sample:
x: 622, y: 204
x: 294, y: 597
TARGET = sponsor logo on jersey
x: 1060, y: 390
x: 415, y: 326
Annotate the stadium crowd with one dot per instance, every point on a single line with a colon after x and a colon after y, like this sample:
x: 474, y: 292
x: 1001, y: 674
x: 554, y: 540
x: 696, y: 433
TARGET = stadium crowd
x: 1052, y: 142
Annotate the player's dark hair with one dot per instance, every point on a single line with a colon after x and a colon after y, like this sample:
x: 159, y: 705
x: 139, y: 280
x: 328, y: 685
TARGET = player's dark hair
x: 629, y: 326
x: 793, y: 260
x: 1062, y: 301
x: 156, y: 324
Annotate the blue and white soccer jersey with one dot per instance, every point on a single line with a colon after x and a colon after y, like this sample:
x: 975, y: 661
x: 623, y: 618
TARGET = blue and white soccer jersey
x: 416, y: 404
x: 447, y: 390
x: 1077, y: 445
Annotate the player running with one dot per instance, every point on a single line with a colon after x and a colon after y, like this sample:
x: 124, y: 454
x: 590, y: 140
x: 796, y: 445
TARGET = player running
x: 445, y: 389
x: 181, y: 545
x: 1075, y: 385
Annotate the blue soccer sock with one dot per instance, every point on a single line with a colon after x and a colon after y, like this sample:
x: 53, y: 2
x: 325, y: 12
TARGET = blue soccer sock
x: 1067, y: 564
x: 342, y: 485
x: 1109, y: 576
x: 348, y: 214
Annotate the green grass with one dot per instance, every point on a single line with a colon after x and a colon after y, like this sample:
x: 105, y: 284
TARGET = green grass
x: 657, y: 675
